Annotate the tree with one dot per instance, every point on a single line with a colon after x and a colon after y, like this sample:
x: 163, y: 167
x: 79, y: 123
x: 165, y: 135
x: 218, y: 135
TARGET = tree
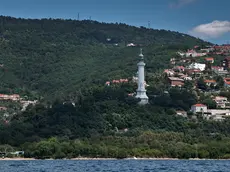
x: 188, y: 85
x: 220, y: 81
x: 201, y: 84
x: 210, y: 103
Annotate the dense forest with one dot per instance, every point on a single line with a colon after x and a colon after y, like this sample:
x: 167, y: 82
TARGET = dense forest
x: 53, y: 58
x: 110, y: 124
x: 65, y: 64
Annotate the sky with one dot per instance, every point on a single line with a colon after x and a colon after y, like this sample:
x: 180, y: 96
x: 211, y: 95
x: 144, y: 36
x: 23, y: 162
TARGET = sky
x: 205, y: 19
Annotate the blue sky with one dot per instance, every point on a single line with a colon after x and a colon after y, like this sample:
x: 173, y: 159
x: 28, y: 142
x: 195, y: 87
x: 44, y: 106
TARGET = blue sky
x: 206, y: 19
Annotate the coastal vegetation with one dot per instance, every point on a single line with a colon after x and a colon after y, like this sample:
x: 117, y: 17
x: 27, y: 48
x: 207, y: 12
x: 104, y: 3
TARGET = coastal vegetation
x: 110, y: 124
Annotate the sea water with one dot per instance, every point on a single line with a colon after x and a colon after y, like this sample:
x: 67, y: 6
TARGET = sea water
x: 116, y: 166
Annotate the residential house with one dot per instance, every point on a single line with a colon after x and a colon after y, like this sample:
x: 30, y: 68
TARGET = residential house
x: 131, y: 94
x: 179, y: 68
x: 107, y: 83
x: 175, y: 81
x: 116, y: 81
x: 193, y: 72
x: 222, y: 102
x: 182, y: 113
x: 209, y: 82
x: 227, y: 82
x: 222, y: 48
x: 186, y: 78
x: 192, y: 53
x: 219, y: 70
x: 25, y: 104
x: 199, y: 66
x: 119, y: 81
x: 13, y: 97
x: 226, y: 63
x: 3, y: 108
x: 179, y: 75
x: 169, y: 72
x: 186, y: 60
x: 209, y: 59
x: 208, y: 50
x: 173, y: 61
x: 131, y: 45
x: 199, y: 108
x: 124, y: 80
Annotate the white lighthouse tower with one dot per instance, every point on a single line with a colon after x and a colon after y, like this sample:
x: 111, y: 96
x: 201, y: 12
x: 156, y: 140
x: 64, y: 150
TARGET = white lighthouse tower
x: 141, y: 91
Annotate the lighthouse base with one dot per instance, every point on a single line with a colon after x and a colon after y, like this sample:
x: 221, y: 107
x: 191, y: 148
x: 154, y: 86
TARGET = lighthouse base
x: 143, y: 102
x: 144, y: 98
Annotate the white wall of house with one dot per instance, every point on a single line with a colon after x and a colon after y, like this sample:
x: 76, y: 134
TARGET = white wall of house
x: 196, y: 109
x: 226, y: 85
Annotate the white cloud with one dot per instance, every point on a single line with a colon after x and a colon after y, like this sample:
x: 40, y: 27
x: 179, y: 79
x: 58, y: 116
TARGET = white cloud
x: 181, y: 3
x: 214, y: 29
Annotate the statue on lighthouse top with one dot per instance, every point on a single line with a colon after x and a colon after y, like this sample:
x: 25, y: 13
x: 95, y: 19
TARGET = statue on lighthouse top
x: 141, y: 55
x: 141, y: 91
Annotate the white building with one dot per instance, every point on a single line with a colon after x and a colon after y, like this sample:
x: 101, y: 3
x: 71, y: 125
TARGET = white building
x: 141, y: 91
x: 131, y: 45
x: 222, y: 102
x: 219, y: 70
x: 199, y: 66
x: 199, y: 108
x: 225, y: 112
x: 25, y: 104
x: 182, y: 113
x: 192, y: 53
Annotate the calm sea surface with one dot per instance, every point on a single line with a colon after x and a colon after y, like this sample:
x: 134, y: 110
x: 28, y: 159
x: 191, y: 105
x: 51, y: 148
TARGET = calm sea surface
x: 115, y: 166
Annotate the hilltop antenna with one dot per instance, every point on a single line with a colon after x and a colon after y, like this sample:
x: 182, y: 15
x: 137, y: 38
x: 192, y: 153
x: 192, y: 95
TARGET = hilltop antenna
x: 78, y: 16
x: 149, y: 24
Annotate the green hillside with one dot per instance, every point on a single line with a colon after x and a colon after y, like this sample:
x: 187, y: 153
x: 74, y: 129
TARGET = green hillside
x: 68, y: 62
x: 55, y: 58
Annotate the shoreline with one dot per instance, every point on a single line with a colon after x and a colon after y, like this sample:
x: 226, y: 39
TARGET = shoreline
x: 17, y: 159
x: 105, y: 159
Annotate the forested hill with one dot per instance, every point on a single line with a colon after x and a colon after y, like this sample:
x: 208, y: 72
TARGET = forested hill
x: 55, y: 57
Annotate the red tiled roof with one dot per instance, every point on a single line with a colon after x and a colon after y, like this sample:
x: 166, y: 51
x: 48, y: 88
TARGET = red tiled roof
x: 175, y: 79
x: 209, y: 58
x: 196, y: 70
x: 227, y: 79
x: 216, y: 67
x: 209, y: 81
x: 220, y: 97
x: 180, y: 67
x: 199, y: 105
